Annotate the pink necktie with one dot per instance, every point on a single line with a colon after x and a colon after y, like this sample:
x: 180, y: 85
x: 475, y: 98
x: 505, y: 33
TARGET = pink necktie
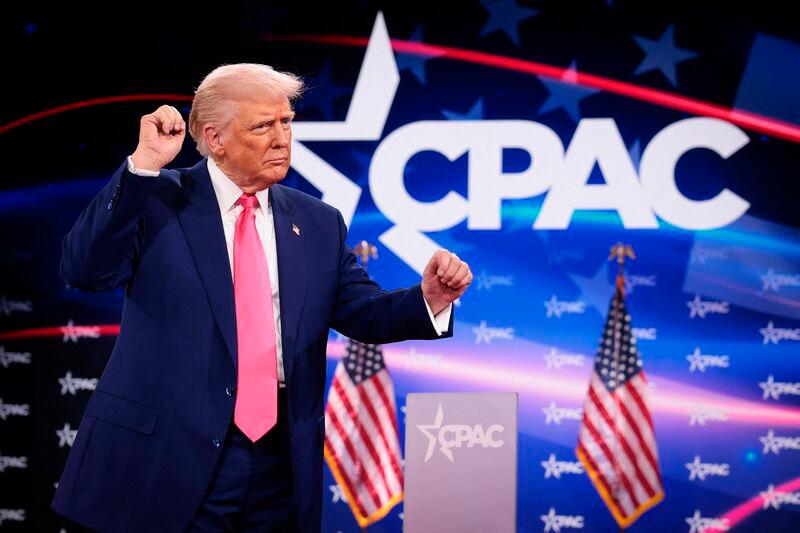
x: 256, y: 409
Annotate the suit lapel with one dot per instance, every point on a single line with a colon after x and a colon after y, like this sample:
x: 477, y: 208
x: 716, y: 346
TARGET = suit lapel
x: 291, y: 270
x: 202, y: 225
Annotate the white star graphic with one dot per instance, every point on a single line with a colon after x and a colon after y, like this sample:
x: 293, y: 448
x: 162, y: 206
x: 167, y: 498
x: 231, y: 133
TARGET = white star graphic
x: 770, y: 443
x: 770, y: 388
x: 770, y: 497
x: 696, y: 307
x: 551, y: 414
x: 695, y: 522
x: 66, y: 435
x: 696, y: 469
x: 696, y: 361
x: 552, y: 307
x: 482, y: 333
x: 551, y: 467
x: 66, y: 383
x: 770, y: 333
x: 426, y: 430
x: 338, y: 494
x: 551, y: 522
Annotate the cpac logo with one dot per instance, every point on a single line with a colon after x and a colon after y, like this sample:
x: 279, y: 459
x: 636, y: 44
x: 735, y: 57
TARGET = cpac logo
x: 486, y: 281
x: 775, y: 444
x: 16, y: 409
x: 632, y: 281
x: 562, y: 173
x: 6, y: 358
x: 9, y: 306
x: 774, y: 389
x: 557, y: 360
x: 701, y: 254
x: 645, y: 334
x: 417, y: 360
x: 17, y: 515
x: 458, y: 435
x: 554, y: 522
x: 773, y: 335
x: 556, y: 468
x: 773, y: 281
x: 72, y: 332
x: 774, y: 499
x: 70, y: 384
x: 698, y: 524
x: 556, y: 308
x: 556, y: 414
x: 484, y: 333
x: 8, y: 461
x: 699, y: 308
x: 699, y: 470
x: 699, y: 361
x: 701, y: 415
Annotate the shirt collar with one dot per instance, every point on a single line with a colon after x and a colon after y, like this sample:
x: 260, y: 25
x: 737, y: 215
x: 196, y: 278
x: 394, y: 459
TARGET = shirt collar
x: 228, y: 192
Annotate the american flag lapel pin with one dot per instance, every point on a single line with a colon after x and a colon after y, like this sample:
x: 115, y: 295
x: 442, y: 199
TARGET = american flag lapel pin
x: 295, y: 229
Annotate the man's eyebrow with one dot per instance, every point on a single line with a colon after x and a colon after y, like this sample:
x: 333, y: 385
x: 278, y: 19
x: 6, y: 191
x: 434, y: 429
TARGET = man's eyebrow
x: 266, y: 118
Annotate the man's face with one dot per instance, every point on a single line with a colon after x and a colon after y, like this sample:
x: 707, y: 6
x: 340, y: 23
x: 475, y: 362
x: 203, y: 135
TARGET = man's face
x: 257, y: 144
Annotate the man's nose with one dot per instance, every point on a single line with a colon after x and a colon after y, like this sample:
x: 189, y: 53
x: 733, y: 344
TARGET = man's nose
x: 281, y: 137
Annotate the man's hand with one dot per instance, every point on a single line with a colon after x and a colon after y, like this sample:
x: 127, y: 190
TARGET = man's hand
x: 161, y: 135
x: 445, y: 278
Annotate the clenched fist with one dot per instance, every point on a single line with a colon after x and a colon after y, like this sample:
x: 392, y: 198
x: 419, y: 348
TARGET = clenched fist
x: 161, y: 135
x: 445, y: 278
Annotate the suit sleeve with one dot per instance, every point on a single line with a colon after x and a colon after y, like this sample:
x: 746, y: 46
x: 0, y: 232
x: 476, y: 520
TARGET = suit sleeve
x: 98, y: 252
x: 370, y: 314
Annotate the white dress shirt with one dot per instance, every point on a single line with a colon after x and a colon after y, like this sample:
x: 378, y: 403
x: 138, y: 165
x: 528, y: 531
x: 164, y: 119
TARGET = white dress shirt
x: 227, y: 193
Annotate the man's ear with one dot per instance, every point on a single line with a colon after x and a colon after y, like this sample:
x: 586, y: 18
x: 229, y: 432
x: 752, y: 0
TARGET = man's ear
x: 214, y: 140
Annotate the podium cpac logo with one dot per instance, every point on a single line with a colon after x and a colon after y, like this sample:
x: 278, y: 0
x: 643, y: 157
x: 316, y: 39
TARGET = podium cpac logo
x: 451, y: 436
x: 559, y: 172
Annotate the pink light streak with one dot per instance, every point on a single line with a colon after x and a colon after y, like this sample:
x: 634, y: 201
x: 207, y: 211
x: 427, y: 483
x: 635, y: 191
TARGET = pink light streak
x: 753, y: 505
x: 670, y: 398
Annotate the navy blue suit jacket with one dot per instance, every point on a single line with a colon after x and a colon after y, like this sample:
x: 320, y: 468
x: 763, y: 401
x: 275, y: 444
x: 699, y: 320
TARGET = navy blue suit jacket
x: 149, y: 438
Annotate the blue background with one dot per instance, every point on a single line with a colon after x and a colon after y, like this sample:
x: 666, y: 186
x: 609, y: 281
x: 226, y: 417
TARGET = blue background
x: 742, y: 57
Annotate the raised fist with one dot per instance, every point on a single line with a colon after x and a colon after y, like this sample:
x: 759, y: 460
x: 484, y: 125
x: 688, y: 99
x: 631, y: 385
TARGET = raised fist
x: 161, y: 135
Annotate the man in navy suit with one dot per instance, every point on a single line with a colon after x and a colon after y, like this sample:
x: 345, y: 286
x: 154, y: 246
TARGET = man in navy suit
x: 209, y: 414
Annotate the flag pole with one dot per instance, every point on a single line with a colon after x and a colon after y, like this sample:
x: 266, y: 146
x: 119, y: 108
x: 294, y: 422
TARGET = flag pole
x: 620, y: 252
x: 363, y: 251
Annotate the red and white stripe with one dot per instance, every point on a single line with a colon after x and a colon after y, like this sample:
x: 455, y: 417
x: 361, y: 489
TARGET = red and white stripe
x: 362, y: 441
x: 616, y: 438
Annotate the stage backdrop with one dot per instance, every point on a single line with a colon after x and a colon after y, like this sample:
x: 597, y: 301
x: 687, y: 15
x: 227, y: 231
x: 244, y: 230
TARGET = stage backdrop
x: 527, y: 137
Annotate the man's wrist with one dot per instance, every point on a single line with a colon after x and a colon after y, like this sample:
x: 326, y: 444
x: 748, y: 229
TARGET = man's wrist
x: 133, y: 168
x: 143, y: 162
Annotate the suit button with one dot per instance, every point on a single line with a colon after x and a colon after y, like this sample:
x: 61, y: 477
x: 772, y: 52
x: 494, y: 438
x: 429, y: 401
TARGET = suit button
x: 229, y: 390
x: 110, y: 206
x: 216, y: 443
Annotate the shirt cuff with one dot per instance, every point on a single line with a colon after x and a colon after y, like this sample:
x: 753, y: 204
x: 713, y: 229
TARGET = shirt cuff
x: 442, y: 320
x: 140, y: 171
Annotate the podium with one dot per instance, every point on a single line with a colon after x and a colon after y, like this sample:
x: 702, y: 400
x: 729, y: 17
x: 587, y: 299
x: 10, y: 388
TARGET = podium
x: 461, y: 462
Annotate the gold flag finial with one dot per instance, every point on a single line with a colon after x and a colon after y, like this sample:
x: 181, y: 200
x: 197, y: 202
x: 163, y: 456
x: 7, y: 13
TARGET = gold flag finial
x: 365, y: 251
x: 619, y: 252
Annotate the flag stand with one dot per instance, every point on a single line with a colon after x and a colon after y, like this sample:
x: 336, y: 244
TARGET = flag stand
x: 619, y: 252
x: 364, y: 251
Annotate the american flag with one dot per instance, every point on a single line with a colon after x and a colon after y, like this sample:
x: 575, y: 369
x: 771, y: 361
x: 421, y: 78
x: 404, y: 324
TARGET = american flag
x: 362, y: 447
x: 616, y: 443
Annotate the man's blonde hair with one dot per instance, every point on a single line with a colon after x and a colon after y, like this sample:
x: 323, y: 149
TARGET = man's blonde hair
x: 215, y: 99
